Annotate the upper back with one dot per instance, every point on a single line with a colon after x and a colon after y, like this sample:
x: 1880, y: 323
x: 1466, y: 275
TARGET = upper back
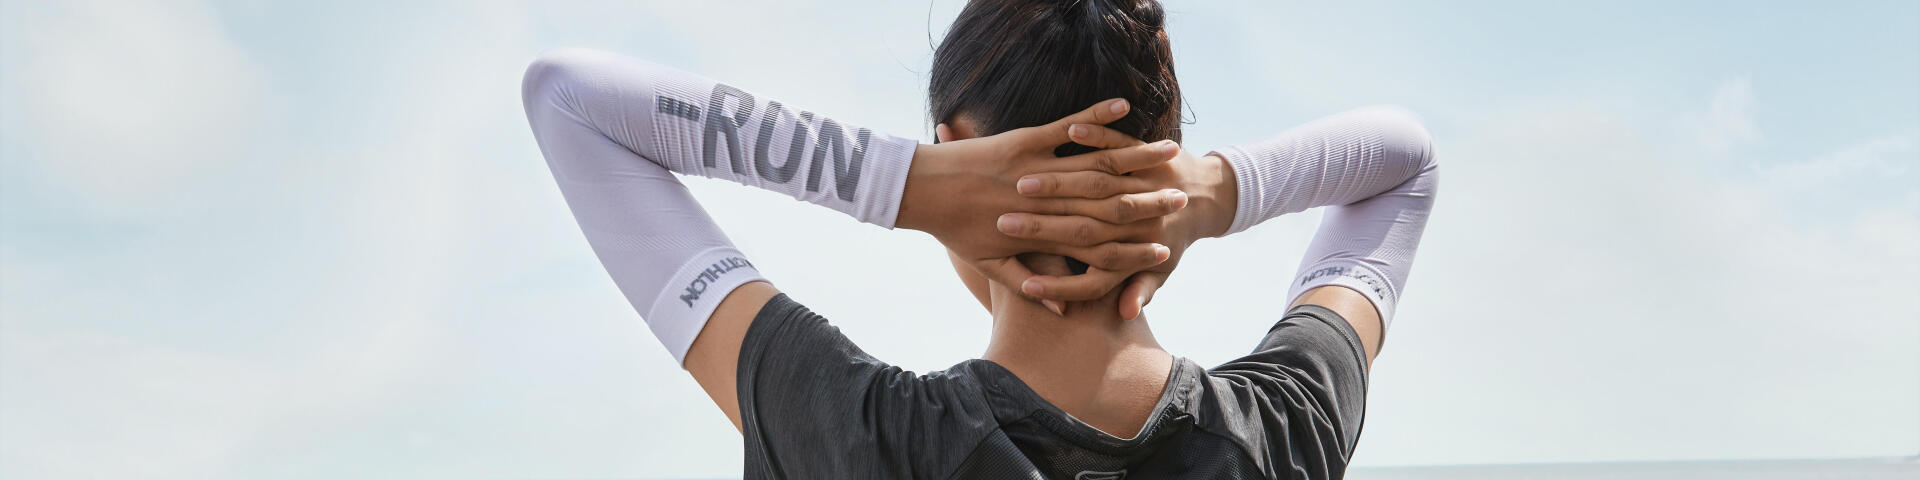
x: 814, y: 406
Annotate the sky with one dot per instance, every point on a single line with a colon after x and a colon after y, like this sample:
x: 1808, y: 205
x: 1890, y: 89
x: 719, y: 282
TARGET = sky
x: 246, y: 239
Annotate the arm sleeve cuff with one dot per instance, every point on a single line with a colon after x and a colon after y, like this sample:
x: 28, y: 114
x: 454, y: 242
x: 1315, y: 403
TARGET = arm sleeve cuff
x: 693, y: 292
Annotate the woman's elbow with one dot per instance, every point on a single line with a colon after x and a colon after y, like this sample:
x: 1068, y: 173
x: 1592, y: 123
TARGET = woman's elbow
x: 1405, y: 139
x: 556, y: 76
x: 1403, y: 136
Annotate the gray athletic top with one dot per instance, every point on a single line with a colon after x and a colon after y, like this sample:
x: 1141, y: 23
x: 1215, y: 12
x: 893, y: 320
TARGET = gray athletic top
x: 813, y: 405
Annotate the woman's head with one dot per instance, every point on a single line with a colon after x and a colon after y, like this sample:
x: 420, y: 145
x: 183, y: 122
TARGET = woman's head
x: 1007, y: 64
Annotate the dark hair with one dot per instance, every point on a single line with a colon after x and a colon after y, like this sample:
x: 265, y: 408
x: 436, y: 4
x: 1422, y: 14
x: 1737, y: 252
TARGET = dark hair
x: 1007, y: 64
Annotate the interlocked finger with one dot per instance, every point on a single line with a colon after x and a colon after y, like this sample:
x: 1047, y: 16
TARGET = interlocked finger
x: 1007, y: 270
x: 1065, y: 229
x: 1114, y: 161
x: 1116, y: 256
x: 1054, y: 134
x: 1099, y: 136
x: 1127, y: 208
x: 1080, y: 184
x: 1094, y: 284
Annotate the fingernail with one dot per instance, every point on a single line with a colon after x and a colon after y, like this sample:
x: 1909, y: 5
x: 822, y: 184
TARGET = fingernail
x: 1027, y: 186
x: 1161, y: 252
x: 1120, y: 106
x: 1032, y: 288
x: 1166, y: 146
x: 1008, y: 224
x: 1076, y: 131
x: 1054, y: 306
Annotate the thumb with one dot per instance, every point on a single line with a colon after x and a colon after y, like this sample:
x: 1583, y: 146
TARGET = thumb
x: 1138, y: 292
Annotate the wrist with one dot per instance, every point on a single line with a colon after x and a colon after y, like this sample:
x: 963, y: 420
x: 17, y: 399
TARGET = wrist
x: 1212, y: 195
x: 918, y: 199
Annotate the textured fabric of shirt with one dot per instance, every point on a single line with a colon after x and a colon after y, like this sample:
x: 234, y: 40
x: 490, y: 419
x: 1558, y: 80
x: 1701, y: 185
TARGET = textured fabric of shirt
x: 813, y: 405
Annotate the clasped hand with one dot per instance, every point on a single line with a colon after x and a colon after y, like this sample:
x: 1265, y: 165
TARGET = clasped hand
x: 993, y: 198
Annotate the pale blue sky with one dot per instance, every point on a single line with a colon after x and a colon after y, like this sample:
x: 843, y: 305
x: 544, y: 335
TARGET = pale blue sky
x: 315, y: 239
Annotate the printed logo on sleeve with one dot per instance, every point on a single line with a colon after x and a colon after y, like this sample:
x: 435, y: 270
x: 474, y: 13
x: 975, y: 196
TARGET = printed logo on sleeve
x: 1379, y: 288
x: 728, y: 112
x: 675, y: 107
x: 707, y: 277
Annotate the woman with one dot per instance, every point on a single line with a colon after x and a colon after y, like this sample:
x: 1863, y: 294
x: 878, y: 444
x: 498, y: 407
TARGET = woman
x: 1063, y: 245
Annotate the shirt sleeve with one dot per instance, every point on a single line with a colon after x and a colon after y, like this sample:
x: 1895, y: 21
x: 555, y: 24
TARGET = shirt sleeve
x: 813, y: 405
x: 1297, y: 402
x: 614, y: 130
x: 1375, y: 167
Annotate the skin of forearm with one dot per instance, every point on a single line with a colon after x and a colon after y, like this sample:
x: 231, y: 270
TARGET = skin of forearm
x: 921, y: 197
x: 1212, y: 194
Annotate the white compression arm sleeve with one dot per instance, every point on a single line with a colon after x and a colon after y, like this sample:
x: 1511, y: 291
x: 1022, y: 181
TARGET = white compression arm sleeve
x: 612, y: 128
x: 1376, y: 167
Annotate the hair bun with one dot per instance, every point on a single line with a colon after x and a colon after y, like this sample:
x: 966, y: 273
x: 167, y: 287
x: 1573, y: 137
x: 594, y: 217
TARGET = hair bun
x: 1141, y: 13
x: 1127, y: 29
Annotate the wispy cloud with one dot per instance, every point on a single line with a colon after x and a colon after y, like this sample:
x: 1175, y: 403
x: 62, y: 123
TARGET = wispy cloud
x: 1728, y: 120
x: 1890, y: 155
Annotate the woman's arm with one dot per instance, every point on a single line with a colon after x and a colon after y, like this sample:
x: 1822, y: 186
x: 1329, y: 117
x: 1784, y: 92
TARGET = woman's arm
x: 611, y: 129
x: 1376, y: 164
x: 666, y: 255
x: 1376, y: 168
x: 693, y: 125
x: 614, y: 129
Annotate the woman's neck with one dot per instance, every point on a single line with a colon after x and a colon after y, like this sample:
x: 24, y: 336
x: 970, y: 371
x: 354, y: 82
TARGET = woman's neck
x: 1105, y: 371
